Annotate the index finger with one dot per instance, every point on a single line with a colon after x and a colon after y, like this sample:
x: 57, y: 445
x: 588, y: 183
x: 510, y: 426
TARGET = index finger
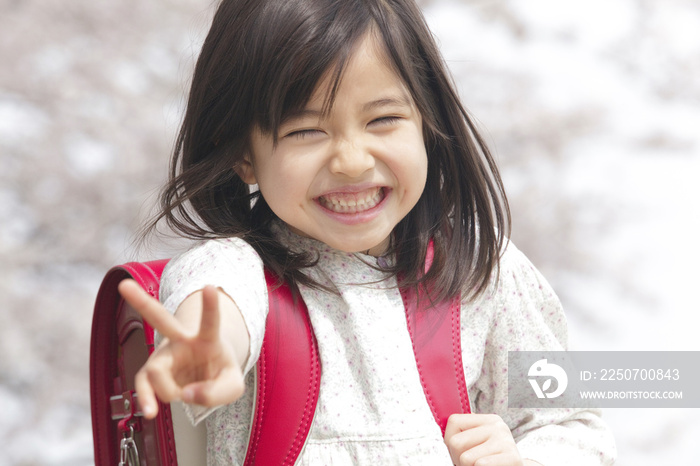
x: 151, y: 310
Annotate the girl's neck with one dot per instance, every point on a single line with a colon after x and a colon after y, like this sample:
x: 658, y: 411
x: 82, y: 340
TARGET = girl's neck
x: 290, y: 232
x: 376, y: 251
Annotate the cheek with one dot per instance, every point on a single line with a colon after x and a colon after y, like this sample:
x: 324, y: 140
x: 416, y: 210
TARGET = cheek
x: 281, y: 184
x: 417, y: 173
x: 411, y: 161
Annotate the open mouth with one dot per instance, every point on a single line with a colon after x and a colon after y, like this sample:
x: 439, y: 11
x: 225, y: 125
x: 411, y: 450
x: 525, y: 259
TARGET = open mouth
x: 352, y: 203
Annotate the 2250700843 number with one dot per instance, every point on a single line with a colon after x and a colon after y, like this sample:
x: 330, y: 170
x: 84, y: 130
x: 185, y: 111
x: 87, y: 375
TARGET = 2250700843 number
x: 639, y: 374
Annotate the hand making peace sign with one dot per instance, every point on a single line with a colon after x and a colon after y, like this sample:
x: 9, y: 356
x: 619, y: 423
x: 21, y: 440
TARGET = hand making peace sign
x: 204, y: 349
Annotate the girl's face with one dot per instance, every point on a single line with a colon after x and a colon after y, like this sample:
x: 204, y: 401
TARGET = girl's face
x: 349, y: 177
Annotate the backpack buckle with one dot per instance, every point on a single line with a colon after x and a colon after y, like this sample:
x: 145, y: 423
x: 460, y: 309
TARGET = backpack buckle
x: 125, y: 406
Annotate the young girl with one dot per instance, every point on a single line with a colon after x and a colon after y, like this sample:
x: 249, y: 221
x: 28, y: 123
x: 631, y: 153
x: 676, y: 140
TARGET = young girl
x: 343, y: 115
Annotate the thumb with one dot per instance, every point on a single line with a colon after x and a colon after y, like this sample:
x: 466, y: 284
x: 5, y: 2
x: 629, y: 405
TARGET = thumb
x: 457, y: 423
x: 226, y: 388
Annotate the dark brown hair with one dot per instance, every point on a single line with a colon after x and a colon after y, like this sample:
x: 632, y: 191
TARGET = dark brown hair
x: 261, y: 61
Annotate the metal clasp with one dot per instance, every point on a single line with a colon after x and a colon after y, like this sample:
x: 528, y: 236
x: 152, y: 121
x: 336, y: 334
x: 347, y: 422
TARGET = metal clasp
x: 128, y: 453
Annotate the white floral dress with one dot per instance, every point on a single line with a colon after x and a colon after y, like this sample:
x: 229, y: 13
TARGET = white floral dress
x: 371, y: 408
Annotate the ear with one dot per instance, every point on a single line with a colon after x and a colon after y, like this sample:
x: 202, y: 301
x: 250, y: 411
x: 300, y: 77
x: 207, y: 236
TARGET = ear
x: 245, y: 170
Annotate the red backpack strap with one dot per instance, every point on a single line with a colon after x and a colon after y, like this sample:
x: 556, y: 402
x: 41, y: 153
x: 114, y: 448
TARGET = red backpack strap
x: 436, y: 337
x: 437, y: 344
x: 289, y: 377
x: 120, y: 343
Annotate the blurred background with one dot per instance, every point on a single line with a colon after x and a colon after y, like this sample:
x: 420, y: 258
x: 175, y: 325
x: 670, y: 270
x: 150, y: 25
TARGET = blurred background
x: 591, y: 107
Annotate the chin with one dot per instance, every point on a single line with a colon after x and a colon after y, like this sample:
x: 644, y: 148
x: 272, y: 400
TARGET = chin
x: 363, y: 247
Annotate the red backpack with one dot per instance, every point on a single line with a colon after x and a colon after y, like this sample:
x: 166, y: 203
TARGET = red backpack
x: 287, y: 380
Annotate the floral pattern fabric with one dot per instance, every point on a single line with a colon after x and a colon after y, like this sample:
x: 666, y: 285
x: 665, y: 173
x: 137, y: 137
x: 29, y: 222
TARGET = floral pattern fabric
x: 371, y: 407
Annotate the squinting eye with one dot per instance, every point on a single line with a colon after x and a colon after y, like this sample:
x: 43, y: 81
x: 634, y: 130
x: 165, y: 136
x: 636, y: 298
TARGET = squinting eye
x: 303, y: 133
x: 387, y: 120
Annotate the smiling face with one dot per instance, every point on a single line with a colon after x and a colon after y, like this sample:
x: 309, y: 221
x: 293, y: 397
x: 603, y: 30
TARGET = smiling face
x: 347, y: 177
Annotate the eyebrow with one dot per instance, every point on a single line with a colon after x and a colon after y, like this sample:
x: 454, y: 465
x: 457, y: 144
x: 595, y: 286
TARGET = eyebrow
x: 398, y: 101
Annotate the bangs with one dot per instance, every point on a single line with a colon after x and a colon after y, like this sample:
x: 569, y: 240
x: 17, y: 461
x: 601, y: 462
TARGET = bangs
x: 314, y: 43
x: 313, y: 40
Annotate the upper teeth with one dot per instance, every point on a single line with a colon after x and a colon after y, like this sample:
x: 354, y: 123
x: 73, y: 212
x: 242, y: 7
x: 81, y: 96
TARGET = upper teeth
x: 350, y: 203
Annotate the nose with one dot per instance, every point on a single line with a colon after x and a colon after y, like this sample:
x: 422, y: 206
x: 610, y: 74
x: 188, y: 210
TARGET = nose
x: 350, y: 159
